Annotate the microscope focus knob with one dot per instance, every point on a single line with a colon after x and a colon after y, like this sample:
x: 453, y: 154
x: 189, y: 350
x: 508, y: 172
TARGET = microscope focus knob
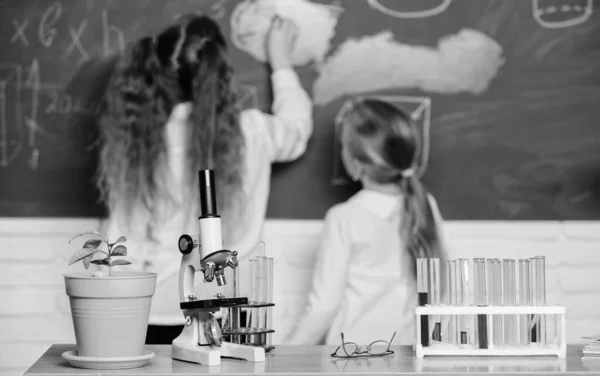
x: 232, y: 261
x: 186, y: 244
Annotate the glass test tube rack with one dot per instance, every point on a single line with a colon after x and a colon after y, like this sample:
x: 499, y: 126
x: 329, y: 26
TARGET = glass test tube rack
x: 489, y: 307
x: 258, y: 326
x: 557, y: 346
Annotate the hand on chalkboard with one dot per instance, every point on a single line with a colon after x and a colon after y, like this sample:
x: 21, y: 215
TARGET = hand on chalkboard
x: 280, y: 43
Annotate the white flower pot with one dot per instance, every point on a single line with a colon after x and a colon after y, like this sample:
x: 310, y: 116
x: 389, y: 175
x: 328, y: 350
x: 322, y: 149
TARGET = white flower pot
x: 110, y: 314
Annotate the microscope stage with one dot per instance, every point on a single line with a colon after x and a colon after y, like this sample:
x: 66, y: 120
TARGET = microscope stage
x: 213, y: 303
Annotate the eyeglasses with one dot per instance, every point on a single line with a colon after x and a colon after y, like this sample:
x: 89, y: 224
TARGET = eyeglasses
x: 352, y: 350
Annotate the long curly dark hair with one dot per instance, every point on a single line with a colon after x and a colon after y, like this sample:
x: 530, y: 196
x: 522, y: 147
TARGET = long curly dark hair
x: 184, y: 63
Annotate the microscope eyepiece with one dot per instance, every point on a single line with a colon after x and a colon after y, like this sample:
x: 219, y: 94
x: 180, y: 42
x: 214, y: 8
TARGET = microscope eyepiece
x: 208, y: 198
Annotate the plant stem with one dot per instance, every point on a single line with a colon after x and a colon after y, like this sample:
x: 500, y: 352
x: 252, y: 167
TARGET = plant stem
x: 109, y: 267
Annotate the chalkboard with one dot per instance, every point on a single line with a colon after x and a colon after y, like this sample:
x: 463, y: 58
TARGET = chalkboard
x: 506, y: 93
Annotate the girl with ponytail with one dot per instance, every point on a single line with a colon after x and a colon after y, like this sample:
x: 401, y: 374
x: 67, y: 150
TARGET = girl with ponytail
x: 364, y: 282
x: 171, y: 110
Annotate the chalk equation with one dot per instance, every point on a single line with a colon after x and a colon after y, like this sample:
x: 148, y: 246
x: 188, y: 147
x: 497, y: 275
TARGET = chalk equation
x: 559, y: 14
x: 420, y: 111
x: 394, y: 9
x: 24, y: 102
x: 27, y: 100
x: 45, y: 32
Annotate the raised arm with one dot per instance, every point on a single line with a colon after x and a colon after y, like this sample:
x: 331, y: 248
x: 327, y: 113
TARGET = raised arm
x: 290, y: 127
x: 286, y: 132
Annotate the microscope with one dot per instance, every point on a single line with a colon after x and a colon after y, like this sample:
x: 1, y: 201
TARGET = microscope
x: 201, y: 340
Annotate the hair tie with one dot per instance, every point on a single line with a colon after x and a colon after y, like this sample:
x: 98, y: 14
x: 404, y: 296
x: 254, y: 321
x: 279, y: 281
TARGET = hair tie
x: 409, y: 172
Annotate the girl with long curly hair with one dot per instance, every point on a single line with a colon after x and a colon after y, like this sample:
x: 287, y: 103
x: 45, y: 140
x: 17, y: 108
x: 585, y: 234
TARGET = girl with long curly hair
x: 365, y: 271
x: 169, y: 111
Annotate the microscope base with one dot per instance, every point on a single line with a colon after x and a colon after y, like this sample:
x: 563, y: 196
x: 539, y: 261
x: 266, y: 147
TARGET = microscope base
x: 211, y: 355
x: 206, y: 355
x: 249, y: 353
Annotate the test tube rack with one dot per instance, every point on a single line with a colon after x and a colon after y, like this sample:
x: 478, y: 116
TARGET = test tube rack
x: 258, y: 327
x: 252, y: 336
x: 435, y: 348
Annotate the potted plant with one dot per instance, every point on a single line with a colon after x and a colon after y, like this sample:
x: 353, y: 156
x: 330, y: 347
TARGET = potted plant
x: 110, y: 309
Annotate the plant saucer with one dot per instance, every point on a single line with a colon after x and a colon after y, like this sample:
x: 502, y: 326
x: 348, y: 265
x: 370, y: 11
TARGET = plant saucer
x: 107, y: 363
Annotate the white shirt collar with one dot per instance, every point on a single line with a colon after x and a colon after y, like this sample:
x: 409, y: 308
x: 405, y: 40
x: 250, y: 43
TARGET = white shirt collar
x: 383, y: 205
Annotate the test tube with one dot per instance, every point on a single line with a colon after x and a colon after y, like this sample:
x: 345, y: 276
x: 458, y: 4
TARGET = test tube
x: 434, y: 295
x: 253, y: 294
x: 453, y: 330
x: 538, y: 297
x: 466, y: 324
x: 231, y: 316
x: 524, y: 300
x: 268, y: 295
x: 261, y: 298
x: 495, y: 297
x: 480, y: 299
x: 447, y: 328
x: 422, y: 278
x: 509, y: 299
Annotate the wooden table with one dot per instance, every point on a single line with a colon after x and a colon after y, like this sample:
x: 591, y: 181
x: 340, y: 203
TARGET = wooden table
x: 315, y: 360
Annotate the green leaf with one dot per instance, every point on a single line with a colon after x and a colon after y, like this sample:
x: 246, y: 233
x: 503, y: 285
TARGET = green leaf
x: 87, y: 231
x: 120, y: 262
x: 83, y: 253
x: 119, y: 250
x: 121, y: 239
x: 92, y: 243
x: 101, y: 262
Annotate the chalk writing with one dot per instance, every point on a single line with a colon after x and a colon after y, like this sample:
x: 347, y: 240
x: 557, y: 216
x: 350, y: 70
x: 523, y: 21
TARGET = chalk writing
x: 560, y: 14
x: 376, y: 4
x: 10, y: 113
x: 46, y: 30
x: 76, y: 41
x: 107, y: 31
x: 33, y: 83
x: 63, y: 103
x: 20, y: 32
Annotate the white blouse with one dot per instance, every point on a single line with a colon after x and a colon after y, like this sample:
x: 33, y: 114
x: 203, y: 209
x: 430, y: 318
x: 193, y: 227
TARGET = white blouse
x: 280, y: 137
x: 362, y: 280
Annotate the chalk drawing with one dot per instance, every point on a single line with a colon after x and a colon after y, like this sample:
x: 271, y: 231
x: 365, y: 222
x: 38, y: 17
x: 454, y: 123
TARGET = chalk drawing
x: 10, y: 113
x: 218, y: 9
x: 420, y: 110
x: 20, y: 32
x: 46, y: 30
x: 375, y: 4
x: 467, y: 61
x: 247, y: 96
x: 558, y: 14
x: 251, y: 21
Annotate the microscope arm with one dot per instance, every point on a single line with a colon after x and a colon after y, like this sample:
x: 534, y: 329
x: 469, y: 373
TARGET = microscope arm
x: 187, y: 272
